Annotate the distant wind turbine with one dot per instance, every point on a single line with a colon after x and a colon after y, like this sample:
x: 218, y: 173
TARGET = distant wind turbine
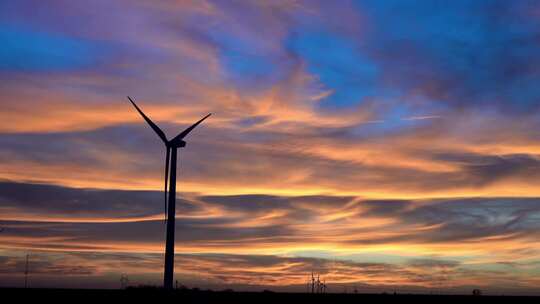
x: 170, y: 175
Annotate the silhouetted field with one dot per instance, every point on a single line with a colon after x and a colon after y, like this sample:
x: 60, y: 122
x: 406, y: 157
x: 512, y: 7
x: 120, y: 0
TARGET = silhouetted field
x: 223, y: 297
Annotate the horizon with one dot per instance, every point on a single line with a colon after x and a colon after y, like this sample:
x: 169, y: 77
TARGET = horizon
x: 389, y: 145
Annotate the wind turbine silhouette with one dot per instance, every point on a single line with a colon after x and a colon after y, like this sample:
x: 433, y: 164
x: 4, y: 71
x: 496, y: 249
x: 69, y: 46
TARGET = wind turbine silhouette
x: 170, y: 175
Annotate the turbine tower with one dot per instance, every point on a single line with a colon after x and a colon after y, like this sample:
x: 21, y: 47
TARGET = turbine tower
x: 170, y: 177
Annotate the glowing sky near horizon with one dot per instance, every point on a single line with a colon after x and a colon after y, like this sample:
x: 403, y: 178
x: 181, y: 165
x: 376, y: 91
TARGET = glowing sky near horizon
x: 382, y: 144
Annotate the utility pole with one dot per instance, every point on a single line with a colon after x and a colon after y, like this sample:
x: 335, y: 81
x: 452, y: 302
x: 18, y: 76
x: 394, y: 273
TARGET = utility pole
x: 26, y: 272
x: 124, y: 280
x: 312, y: 283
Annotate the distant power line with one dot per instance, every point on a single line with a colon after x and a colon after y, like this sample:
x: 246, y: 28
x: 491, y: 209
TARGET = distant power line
x: 316, y: 285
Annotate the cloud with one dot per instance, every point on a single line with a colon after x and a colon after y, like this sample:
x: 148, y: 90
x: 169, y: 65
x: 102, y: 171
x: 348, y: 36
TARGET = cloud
x: 46, y: 217
x: 421, y: 166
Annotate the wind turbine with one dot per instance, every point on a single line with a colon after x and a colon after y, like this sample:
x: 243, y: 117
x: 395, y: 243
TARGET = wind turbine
x: 170, y: 174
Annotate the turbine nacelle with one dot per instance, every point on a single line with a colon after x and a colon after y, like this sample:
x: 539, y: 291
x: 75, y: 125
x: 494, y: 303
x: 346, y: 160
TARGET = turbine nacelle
x: 176, y: 144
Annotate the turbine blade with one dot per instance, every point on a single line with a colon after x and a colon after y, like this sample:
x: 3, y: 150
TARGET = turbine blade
x: 186, y: 131
x: 150, y: 122
x: 168, y: 156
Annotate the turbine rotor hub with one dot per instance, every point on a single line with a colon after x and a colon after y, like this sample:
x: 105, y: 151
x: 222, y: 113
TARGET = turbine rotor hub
x: 179, y: 144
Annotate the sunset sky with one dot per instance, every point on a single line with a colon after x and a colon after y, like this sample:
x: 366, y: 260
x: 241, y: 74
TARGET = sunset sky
x: 388, y: 145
